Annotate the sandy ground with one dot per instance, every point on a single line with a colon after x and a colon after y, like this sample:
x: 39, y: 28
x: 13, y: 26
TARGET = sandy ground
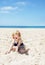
x: 32, y: 38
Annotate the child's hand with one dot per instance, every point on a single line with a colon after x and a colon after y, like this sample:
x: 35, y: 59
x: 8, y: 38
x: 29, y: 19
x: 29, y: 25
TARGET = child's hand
x: 7, y: 52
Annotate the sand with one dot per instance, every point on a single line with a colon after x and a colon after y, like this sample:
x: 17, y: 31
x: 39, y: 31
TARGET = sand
x: 32, y: 38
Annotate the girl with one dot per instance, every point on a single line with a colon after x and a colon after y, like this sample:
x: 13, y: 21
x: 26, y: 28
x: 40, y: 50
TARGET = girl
x: 18, y: 43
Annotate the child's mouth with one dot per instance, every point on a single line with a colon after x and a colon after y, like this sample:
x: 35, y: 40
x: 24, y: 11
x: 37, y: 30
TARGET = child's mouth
x: 16, y: 38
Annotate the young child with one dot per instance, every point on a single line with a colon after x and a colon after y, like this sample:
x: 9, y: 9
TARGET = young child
x: 18, y: 43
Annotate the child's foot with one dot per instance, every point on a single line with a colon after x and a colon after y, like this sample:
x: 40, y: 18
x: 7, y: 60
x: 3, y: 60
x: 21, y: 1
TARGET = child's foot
x: 27, y: 52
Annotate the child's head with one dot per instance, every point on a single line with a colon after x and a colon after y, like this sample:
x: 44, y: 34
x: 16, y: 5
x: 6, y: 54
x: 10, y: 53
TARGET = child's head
x: 16, y: 35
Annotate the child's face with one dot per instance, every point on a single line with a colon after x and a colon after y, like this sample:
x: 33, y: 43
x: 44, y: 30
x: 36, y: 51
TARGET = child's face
x: 16, y: 37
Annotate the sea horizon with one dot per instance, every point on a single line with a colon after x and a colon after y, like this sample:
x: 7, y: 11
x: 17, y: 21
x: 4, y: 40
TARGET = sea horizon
x: 22, y: 26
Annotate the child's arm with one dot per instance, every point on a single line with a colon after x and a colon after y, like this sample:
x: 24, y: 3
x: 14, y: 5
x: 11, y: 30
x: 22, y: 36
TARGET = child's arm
x: 20, y: 41
x: 9, y: 50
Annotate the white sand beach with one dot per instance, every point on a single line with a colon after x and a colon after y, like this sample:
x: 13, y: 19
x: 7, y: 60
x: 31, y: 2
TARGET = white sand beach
x: 32, y: 38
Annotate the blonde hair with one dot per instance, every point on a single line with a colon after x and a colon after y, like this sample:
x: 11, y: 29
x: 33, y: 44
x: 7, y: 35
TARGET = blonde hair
x: 17, y: 33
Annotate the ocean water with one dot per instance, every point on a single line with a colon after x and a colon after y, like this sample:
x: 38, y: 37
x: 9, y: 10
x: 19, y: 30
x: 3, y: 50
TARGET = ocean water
x: 22, y: 26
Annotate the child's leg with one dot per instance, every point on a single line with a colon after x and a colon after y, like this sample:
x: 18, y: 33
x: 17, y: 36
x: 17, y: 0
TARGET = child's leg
x: 12, y: 49
x: 23, y: 51
x: 26, y: 51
